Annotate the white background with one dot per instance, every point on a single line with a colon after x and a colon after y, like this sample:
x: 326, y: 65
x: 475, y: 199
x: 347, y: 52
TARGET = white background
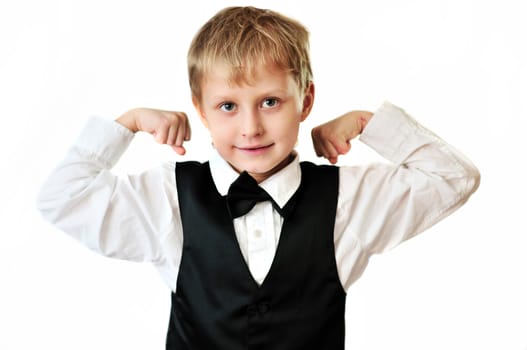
x: 458, y: 66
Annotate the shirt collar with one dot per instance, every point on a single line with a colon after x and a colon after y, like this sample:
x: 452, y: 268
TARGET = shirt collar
x: 280, y: 186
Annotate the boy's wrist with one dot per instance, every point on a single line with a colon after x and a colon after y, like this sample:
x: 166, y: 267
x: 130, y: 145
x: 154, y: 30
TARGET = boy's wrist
x: 364, y: 119
x: 128, y: 120
x: 103, y: 140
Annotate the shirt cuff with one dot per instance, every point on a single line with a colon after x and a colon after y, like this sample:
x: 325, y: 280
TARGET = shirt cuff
x: 104, y: 140
x: 388, y: 132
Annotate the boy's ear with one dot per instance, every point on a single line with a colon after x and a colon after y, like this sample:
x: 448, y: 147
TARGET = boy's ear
x: 202, y: 116
x: 309, y: 99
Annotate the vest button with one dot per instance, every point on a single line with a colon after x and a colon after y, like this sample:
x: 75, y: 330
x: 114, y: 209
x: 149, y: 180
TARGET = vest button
x: 252, y: 310
x: 263, y: 308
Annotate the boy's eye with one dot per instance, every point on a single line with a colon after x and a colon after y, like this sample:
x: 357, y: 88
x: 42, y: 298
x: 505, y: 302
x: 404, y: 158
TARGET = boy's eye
x: 227, y: 106
x: 269, y: 102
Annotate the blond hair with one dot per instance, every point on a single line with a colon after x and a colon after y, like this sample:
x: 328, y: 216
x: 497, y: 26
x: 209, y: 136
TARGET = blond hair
x: 244, y: 38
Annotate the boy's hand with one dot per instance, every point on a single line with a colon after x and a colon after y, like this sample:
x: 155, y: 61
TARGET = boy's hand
x: 167, y: 127
x: 333, y: 138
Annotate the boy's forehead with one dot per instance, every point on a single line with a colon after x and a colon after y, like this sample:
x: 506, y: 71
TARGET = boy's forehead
x: 238, y: 75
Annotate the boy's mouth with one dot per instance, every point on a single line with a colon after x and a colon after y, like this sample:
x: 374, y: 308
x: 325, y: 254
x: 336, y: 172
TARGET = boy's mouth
x: 255, y: 148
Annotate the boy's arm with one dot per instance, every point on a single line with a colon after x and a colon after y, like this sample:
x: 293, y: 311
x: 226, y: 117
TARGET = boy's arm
x: 381, y: 205
x: 332, y: 139
x: 126, y: 218
x: 167, y: 127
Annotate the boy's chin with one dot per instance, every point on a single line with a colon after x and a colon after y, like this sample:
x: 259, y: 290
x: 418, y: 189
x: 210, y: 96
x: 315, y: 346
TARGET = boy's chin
x: 262, y: 172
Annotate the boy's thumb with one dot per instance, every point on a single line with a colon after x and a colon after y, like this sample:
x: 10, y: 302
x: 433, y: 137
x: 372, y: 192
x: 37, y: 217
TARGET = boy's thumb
x: 179, y: 150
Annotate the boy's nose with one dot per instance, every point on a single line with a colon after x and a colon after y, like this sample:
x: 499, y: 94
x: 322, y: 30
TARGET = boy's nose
x: 251, y: 124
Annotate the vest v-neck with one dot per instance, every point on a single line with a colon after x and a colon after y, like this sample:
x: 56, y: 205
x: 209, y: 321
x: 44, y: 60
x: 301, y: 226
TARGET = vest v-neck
x: 245, y: 263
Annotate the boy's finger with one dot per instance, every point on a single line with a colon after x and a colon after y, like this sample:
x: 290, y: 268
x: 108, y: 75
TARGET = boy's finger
x: 179, y: 150
x: 342, y: 147
x: 180, y: 135
x: 160, y: 135
x: 172, y: 135
x: 314, y: 140
x: 319, y: 149
x: 326, y: 149
x: 330, y: 151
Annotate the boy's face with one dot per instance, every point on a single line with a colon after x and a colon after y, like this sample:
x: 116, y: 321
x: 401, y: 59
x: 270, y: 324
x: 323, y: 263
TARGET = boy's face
x: 254, y: 126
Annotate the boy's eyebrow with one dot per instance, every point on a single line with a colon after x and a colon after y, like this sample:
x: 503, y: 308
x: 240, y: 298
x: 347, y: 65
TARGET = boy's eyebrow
x: 271, y: 92
x: 277, y: 92
x: 220, y: 97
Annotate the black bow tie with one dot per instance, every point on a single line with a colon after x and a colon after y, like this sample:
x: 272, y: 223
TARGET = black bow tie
x: 243, y: 195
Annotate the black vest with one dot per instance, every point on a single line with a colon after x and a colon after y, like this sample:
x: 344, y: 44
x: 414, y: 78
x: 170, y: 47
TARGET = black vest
x: 218, y: 304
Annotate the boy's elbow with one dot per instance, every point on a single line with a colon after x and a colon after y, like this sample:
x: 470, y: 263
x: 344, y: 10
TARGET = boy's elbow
x: 41, y: 201
x: 47, y: 207
x: 470, y: 182
x: 54, y: 204
x: 473, y: 180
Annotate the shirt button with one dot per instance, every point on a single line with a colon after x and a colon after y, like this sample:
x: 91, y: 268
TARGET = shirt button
x: 257, y: 233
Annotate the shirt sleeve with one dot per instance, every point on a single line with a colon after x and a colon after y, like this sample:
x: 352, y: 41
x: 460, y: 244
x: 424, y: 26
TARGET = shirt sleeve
x: 135, y: 217
x: 382, y: 205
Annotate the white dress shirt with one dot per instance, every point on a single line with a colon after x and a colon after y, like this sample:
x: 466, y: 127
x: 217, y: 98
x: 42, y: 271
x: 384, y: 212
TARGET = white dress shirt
x: 379, y: 205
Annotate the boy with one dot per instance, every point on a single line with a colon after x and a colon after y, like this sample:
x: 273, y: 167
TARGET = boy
x: 257, y: 247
